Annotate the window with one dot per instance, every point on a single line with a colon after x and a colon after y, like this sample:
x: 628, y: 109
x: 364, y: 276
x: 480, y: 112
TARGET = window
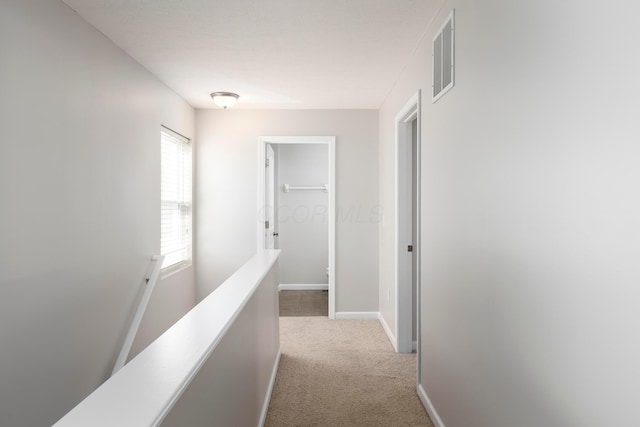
x: 175, y: 200
x: 443, y: 58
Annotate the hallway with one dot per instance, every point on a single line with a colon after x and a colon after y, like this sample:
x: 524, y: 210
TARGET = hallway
x: 342, y: 373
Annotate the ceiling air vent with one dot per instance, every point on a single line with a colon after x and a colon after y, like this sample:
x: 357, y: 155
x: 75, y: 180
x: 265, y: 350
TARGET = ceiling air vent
x: 443, y: 58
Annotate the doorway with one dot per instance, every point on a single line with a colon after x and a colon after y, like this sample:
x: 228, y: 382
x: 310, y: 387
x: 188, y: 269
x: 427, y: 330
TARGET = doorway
x: 296, y: 206
x: 408, y: 228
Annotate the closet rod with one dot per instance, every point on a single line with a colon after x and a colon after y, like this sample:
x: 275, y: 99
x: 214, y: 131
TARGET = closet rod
x: 287, y: 188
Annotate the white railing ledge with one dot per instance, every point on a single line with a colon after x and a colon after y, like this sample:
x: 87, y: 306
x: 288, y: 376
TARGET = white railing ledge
x: 143, y: 392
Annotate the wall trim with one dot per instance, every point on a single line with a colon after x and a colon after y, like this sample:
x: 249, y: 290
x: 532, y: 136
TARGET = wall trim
x: 356, y: 315
x: 303, y: 287
x: 267, y: 397
x: 387, y: 330
x: 426, y: 402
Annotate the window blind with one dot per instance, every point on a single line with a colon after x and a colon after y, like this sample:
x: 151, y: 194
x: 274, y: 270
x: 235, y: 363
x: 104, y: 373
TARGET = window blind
x: 175, y: 198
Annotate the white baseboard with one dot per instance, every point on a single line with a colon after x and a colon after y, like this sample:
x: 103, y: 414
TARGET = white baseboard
x: 356, y: 315
x: 267, y: 397
x: 386, y: 328
x: 302, y: 287
x: 435, y: 418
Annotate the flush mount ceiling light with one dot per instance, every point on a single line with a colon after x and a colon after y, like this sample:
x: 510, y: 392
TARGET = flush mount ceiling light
x: 225, y: 99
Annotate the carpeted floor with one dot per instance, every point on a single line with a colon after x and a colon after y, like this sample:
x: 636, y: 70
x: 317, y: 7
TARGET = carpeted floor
x: 342, y: 373
x: 304, y: 303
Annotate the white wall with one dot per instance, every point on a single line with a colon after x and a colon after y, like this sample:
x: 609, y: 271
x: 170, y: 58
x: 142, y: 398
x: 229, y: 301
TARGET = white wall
x: 303, y: 216
x: 227, y: 193
x: 233, y: 386
x: 530, y: 214
x: 79, y: 191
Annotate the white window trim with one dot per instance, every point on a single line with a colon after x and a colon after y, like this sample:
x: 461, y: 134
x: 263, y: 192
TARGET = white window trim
x: 184, y: 264
x: 175, y: 268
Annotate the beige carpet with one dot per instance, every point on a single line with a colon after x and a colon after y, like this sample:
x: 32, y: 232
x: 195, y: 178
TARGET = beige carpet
x: 342, y: 373
x: 304, y: 303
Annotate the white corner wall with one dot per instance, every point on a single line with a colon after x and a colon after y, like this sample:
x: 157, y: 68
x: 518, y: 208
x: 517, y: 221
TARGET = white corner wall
x: 227, y: 193
x: 79, y: 190
x: 530, y: 214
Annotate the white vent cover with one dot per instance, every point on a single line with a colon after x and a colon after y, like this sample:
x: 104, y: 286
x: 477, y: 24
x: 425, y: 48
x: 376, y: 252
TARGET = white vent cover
x: 443, y: 58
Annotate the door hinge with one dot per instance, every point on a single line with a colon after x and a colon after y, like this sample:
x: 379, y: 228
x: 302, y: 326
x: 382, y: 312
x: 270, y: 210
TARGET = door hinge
x: 410, y: 248
x: 266, y: 225
x: 266, y: 162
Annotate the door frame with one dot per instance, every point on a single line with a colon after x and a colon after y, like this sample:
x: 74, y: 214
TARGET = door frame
x: 270, y: 213
x: 404, y: 228
x: 331, y: 142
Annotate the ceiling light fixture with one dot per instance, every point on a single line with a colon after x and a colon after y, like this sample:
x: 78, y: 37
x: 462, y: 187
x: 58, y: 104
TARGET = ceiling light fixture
x: 225, y: 99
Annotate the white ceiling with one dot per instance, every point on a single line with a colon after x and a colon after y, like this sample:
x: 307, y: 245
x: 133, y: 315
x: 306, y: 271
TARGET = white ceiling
x: 274, y: 53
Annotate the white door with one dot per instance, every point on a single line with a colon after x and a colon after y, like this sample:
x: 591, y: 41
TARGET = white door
x: 269, y: 199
